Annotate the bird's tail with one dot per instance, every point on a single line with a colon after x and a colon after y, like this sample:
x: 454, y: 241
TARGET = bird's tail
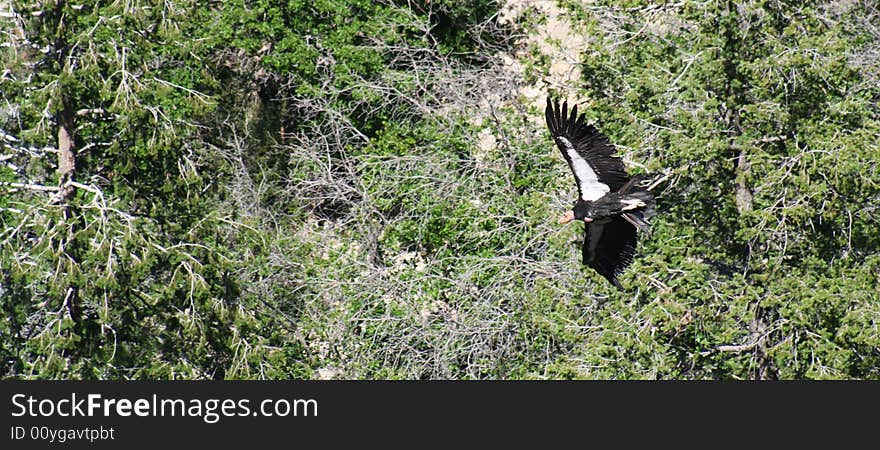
x: 639, y: 217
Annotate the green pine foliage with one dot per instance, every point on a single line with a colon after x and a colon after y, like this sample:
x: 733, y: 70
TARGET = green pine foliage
x: 760, y: 110
x: 360, y: 189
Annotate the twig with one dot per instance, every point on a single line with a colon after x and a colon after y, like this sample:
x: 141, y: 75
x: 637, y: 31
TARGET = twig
x: 32, y: 187
x: 739, y: 348
x: 87, y: 111
x: 686, y: 67
x: 659, y: 180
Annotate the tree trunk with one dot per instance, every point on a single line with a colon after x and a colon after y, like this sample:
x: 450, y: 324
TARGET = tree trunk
x: 66, y: 152
x: 66, y: 121
x: 743, y: 193
x: 735, y: 51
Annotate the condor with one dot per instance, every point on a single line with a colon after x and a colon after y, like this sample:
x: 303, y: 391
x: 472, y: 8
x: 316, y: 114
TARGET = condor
x: 612, y: 204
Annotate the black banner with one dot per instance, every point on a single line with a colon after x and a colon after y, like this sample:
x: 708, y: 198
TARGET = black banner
x: 120, y: 414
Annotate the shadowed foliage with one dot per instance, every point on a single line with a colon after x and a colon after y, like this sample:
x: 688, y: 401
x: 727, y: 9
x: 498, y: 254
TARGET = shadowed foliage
x: 366, y: 189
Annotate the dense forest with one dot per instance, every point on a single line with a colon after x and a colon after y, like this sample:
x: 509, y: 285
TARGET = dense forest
x: 366, y: 189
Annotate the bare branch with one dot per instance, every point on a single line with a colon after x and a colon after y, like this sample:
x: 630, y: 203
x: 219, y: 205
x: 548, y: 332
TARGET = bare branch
x: 31, y: 187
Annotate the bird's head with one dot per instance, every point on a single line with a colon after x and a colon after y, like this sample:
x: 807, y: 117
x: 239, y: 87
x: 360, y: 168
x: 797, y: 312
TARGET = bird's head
x: 581, y: 211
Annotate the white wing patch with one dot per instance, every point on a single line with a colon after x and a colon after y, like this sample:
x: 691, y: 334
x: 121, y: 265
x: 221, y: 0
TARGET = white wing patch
x: 631, y: 203
x: 591, y: 188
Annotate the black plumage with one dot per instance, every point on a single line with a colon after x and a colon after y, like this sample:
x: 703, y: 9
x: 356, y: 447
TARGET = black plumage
x: 609, y: 246
x: 610, y: 202
x: 589, y: 143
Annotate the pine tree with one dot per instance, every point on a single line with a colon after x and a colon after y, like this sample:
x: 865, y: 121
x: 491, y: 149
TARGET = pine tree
x: 108, y: 264
x: 761, y: 112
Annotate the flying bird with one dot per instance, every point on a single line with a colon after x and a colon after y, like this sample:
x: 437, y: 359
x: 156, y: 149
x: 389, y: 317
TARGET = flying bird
x: 612, y: 205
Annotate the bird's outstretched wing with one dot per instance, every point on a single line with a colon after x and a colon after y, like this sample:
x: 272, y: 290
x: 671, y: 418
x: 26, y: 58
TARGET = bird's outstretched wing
x: 588, y: 152
x: 609, y: 246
